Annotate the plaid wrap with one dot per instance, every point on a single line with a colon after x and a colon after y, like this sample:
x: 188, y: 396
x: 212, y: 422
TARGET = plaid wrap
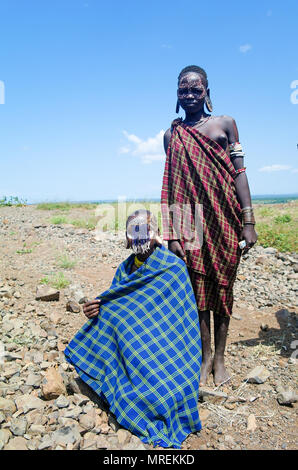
x: 199, y: 171
x: 143, y: 352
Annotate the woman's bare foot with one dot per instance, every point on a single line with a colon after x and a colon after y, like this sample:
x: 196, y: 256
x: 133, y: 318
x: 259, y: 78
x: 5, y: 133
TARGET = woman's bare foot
x: 206, y: 370
x: 220, y: 373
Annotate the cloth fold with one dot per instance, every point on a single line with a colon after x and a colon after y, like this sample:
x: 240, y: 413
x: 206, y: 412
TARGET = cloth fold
x: 142, y: 354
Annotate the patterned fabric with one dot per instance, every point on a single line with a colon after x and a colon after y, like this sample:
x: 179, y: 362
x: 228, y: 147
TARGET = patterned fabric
x: 212, y: 296
x: 198, y: 171
x: 143, y: 352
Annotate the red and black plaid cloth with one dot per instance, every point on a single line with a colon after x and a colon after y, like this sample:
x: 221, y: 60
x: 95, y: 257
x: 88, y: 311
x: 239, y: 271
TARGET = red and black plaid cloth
x: 199, y: 171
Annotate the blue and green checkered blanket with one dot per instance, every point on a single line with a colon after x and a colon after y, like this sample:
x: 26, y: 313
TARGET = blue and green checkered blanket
x: 142, y: 353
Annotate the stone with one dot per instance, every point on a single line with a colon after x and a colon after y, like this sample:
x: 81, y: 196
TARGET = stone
x: 5, y: 435
x: 287, y: 397
x: 89, y: 442
x: 29, y: 402
x: 53, y: 385
x: 17, y: 443
x: 34, y: 380
x: 47, y: 294
x: 101, y: 442
x: 46, y: 443
x: 212, y: 395
x: 62, y: 402
x: 123, y: 436
x: 76, y: 293
x: 55, y: 318
x: 37, y: 429
x: 258, y: 375
x: 66, y: 435
x: 251, y: 423
x: 87, y: 422
x: 7, y: 406
x: 73, y: 413
x: 204, y: 415
x: 18, y: 426
x: 73, y: 307
x: 79, y: 399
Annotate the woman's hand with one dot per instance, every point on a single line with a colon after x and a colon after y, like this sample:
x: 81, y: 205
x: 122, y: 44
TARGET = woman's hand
x: 176, y: 248
x: 91, y: 309
x: 250, y: 236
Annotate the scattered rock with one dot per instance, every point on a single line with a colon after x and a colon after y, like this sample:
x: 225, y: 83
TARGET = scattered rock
x: 66, y: 435
x: 7, y: 406
x: 17, y: 443
x: 53, y: 385
x: 123, y: 436
x: 62, y: 402
x: 287, y: 397
x: 73, y: 307
x: 47, y: 294
x: 18, y: 426
x: 258, y: 375
x: 251, y: 423
x: 29, y: 402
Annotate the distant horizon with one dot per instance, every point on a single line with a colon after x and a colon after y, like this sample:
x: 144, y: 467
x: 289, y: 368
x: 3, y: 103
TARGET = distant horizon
x: 155, y: 199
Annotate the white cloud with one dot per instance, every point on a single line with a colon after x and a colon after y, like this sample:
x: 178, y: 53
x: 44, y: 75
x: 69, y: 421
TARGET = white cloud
x: 271, y: 168
x: 295, y: 170
x: 148, y: 151
x: 245, y: 48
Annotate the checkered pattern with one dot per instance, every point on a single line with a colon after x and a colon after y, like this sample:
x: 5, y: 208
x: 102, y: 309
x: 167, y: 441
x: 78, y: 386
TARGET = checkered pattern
x: 212, y: 296
x: 198, y: 171
x: 143, y: 352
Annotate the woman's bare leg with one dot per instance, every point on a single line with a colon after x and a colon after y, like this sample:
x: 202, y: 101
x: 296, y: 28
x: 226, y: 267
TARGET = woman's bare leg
x: 206, y: 368
x: 221, y: 326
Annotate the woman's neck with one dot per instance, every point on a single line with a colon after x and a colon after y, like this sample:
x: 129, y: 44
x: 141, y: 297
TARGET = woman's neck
x: 195, y: 117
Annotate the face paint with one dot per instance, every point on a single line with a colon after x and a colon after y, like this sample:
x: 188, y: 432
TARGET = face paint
x: 191, y: 86
x: 140, y: 231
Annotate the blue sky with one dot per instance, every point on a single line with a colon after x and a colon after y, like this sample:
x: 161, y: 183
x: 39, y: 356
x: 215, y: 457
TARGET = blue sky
x: 89, y: 86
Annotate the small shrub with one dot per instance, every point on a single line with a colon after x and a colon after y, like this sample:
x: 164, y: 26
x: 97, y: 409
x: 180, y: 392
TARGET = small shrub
x: 65, y: 262
x: 59, y: 281
x: 283, y: 219
x: 58, y: 220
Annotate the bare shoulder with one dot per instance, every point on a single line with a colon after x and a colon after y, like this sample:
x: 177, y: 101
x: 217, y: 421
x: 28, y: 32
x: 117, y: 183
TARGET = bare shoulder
x: 166, y: 139
x: 229, y: 126
x: 227, y: 122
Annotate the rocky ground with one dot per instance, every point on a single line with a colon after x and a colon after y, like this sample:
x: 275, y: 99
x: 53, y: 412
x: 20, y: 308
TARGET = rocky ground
x: 44, y: 406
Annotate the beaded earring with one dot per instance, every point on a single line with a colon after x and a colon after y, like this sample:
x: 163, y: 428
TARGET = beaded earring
x: 177, y: 107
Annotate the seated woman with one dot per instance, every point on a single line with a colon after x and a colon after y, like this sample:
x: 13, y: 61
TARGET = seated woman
x: 141, y: 347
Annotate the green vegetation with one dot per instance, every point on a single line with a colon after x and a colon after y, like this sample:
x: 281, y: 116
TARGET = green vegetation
x: 55, y: 280
x: 24, y: 250
x: 277, y: 226
x: 12, y: 201
x: 277, y: 223
x: 65, y: 262
x: 283, y: 219
x: 58, y: 220
x: 65, y: 206
x: 90, y: 224
x: 59, y: 281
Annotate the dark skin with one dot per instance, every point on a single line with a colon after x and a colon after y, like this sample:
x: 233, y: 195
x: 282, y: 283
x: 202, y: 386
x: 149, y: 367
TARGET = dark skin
x: 192, y: 90
x: 91, y: 308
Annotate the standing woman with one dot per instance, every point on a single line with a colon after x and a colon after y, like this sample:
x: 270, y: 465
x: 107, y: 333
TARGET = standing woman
x: 204, y: 165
